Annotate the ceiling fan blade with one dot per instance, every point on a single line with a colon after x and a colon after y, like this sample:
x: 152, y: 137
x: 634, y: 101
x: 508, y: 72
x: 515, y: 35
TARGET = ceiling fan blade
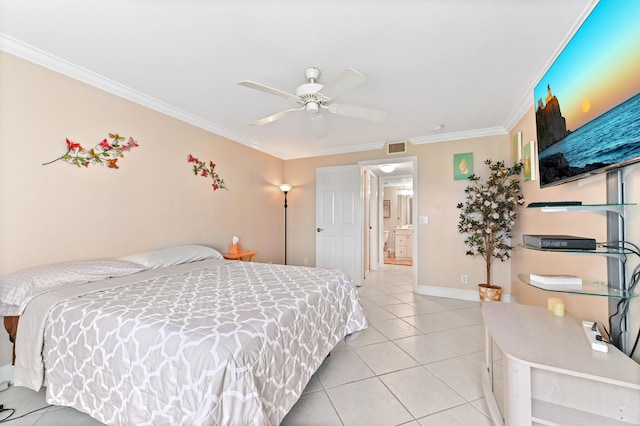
x: 318, y: 128
x: 267, y: 89
x: 274, y: 117
x: 349, y: 79
x: 354, y: 111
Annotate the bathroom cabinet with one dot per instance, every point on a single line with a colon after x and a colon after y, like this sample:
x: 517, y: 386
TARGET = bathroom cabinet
x: 404, y: 243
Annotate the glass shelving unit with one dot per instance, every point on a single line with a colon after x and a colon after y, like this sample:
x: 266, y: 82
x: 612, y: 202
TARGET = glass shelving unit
x: 601, y: 250
x: 588, y: 288
x: 601, y: 209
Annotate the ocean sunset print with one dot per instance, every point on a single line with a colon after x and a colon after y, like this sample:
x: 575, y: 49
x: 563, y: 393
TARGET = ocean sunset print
x: 588, y: 102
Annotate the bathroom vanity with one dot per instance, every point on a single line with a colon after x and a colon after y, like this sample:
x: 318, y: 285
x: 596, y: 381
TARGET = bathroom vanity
x: 403, y: 243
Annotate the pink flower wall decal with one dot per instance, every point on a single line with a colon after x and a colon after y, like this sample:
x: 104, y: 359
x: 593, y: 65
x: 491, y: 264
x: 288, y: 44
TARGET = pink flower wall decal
x: 103, y: 153
x: 200, y: 168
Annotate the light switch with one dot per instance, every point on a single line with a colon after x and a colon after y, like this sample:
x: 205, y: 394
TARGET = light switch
x: 423, y: 220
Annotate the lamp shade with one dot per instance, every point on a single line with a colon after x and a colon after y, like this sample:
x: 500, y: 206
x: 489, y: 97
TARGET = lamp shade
x: 285, y: 187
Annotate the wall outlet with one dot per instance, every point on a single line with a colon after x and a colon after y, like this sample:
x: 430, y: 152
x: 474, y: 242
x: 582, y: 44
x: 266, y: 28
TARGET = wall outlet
x: 305, y: 261
x: 464, y: 279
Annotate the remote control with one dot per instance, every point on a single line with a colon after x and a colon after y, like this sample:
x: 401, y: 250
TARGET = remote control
x: 592, y: 333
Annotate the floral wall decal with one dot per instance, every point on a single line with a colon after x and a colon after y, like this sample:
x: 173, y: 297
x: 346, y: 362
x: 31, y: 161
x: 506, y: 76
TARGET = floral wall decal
x: 200, y: 168
x: 103, y: 153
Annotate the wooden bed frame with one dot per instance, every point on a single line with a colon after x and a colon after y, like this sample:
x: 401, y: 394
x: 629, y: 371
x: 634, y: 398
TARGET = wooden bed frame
x: 11, y: 325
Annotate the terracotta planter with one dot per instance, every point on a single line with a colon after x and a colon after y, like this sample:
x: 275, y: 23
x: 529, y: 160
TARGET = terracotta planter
x: 489, y: 292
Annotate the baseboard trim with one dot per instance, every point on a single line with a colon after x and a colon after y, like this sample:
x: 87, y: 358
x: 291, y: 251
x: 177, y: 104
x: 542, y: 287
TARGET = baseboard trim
x: 455, y: 293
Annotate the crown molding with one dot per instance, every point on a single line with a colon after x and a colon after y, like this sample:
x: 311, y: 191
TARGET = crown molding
x: 44, y: 59
x: 337, y: 150
x: 454, y: 136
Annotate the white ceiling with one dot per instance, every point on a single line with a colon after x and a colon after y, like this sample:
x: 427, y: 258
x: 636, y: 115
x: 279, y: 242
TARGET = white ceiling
x: 470, y: 65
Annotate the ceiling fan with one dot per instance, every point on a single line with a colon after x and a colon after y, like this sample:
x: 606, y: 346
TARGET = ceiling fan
x: 314, y: 97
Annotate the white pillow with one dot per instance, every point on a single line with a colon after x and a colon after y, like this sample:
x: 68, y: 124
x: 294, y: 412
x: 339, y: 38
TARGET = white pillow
x: 18, y: 288
x: 173, y: 256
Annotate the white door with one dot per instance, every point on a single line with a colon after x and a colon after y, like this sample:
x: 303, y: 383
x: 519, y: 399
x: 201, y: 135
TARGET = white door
x: 375, y: 248
x: 339, y: 220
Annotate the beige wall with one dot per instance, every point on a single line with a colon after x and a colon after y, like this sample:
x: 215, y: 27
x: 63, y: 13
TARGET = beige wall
x: 441, y: 252
x: 60, y: 212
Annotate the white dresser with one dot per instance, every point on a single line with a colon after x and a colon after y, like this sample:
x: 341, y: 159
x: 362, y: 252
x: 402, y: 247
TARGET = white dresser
x: 543, y: 371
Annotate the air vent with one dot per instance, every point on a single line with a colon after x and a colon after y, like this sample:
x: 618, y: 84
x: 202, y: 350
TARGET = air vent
x: 396, y: 147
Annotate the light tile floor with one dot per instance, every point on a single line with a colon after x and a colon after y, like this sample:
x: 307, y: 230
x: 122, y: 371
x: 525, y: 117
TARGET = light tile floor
x: 418, y: 363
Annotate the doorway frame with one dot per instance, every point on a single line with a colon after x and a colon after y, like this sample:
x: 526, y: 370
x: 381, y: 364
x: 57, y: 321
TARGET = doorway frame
x: 414, y: 214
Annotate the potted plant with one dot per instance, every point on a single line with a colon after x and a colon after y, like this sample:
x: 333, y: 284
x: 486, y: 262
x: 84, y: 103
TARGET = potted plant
x: 488, y: 215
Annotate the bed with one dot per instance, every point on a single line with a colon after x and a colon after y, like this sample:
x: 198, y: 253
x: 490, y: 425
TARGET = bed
x: 208, y: 341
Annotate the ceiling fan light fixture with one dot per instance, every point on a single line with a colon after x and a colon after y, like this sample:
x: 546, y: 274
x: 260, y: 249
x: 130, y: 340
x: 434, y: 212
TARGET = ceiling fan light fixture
x: 312, y: 96
x: 312, y: 107
x: 387, y: 168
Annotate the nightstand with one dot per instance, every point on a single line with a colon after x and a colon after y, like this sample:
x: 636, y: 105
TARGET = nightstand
x: 240, y: 256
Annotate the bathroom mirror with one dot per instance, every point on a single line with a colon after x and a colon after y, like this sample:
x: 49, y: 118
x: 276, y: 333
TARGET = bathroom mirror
x: 405, y: 208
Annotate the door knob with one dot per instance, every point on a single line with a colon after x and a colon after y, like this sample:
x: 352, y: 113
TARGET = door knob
x: 319, y: 230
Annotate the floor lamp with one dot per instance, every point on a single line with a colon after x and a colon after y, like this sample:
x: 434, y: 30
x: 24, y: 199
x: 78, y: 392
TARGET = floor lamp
x: 285, y: 188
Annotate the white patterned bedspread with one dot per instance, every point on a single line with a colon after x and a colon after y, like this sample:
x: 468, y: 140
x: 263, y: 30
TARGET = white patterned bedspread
x: 214, y: 342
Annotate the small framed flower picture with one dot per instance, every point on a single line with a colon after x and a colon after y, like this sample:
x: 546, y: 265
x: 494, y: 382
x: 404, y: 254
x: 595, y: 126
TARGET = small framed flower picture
x: 528, y: 157
x: 386, y: 208
x: 462, y: 166
x: 516, y: 148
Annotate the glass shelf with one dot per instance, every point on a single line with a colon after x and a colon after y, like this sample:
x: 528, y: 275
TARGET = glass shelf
x: 600, y: 250
x: 590, y: 208
x: 590, y: 288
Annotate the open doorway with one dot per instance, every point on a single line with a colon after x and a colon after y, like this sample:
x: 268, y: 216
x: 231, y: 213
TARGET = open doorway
x: 390, y: 214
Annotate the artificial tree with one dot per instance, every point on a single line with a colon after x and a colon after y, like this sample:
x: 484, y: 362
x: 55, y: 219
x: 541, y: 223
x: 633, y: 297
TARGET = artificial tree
x: 489, y: 212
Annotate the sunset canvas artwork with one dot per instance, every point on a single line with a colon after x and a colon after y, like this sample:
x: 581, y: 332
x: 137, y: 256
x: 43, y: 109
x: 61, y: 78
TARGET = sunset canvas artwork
x: 588, y: 102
